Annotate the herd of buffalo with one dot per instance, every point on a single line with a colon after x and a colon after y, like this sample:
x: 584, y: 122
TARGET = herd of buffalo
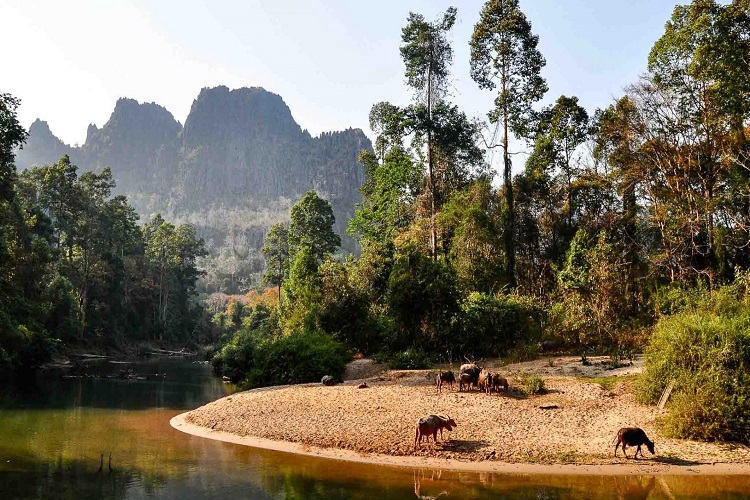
x: 473, y: 376
x: 470, y: 375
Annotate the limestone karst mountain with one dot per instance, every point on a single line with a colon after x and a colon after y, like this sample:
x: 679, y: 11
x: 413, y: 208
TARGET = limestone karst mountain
x: 235, y: 167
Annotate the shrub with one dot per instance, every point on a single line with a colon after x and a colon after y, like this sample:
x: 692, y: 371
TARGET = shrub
x: 410, y: 359
x: 707, y: 356
x: 489, y: 325
x: 236, y: 358
x: 256, y: 359
x: 531, y: 384
x: 296, y: 358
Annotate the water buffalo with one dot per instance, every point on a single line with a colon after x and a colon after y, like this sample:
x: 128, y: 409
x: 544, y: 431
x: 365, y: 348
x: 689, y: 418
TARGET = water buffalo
x: 484, y: 381
x: 633, y: 436
x: 469, y: 374
x: 445, y: 378
x: 430, y: 425
x: 498, y: 382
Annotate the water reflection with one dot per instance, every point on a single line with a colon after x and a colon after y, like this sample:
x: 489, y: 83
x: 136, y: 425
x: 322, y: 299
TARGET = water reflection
x: 53, y: 435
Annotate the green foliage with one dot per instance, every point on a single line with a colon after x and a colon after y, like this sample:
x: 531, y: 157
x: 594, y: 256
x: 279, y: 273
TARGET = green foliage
x: 426, y: 51
x: 311, y: 226
x: 345, y: 310
x: 504, y: 51
x: 257, y: 360
x: 388, y: 194
x: 12, y: 135
x: 490, y: 325
x: 75, y: 267
x: 276, y: 252
x: 531, y: 384
x: 473, y: 219
x: 410, y: 359
x: 705, y: 351
x: 422, y: 303
x: 302, y: 298
x: 594, y: 289
x: 236, y: 358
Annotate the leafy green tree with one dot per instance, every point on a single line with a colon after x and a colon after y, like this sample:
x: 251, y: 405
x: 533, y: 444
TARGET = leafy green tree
x: 695, y: 103
x: 427, y: 55
x: 276, y: 251
x: 172, y: 253
x: 302, y: 291
x: 311, y: 226
x: 473, y: 218
x: 422, y: 303
x: 12, y: 136
x: 566, y: 126
x: 504, y: 54
x: 388, y: 196
x: 25, y: 254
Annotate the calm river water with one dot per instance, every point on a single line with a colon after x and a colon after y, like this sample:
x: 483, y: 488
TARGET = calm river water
x: 52, y: 436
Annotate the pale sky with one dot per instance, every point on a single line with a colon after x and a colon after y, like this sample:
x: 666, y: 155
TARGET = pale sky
x: 330, y: 60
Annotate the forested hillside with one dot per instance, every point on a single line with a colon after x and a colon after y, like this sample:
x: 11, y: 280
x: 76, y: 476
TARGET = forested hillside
x: 233, y: 170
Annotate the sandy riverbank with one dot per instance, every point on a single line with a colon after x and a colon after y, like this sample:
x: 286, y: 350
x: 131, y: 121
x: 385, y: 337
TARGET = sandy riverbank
x: 501, y: 433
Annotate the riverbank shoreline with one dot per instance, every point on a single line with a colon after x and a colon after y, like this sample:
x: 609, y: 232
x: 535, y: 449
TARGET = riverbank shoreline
x: 568, y: 430
x: 635, y: 468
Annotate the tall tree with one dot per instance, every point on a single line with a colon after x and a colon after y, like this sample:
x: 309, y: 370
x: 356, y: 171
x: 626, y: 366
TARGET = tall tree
x: 427, y: 55
x: 312, y: 226
x: 566, y: 125
x: 276, y: 251
x: 172, y: 252
x: 504, y: 55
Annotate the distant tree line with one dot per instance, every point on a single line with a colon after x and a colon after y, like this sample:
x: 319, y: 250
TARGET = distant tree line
x: 76, y: 269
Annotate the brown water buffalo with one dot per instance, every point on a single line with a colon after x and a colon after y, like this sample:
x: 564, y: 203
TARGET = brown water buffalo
x: 430, y: 425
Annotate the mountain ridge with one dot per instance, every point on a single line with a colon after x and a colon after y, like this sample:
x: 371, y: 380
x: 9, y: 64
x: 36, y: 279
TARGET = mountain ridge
x: 240, y: 153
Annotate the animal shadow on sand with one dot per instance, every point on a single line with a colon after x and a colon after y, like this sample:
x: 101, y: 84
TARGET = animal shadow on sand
x: 514, y: 394
x: 461, y: 445
x: 677, y: 461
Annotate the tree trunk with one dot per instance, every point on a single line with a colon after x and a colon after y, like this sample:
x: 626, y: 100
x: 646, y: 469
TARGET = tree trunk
x: 510, y: 219
x: 430, y: 166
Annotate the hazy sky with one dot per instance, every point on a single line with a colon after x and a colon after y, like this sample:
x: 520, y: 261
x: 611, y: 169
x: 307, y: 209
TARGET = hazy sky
x: 330, y: 60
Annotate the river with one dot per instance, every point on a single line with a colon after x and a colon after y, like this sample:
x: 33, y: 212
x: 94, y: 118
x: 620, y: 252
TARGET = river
x: 55, y: 434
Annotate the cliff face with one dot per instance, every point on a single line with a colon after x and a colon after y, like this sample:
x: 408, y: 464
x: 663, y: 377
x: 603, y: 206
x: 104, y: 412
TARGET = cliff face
x: 41, y: 145
x: 234, y: 169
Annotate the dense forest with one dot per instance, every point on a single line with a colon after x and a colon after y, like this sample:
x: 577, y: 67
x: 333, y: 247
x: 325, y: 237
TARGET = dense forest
x: 626, y: 228
x: 76, y: 269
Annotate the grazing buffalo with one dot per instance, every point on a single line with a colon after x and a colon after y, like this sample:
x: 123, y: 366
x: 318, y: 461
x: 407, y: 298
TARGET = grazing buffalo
x: 633, y: 436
